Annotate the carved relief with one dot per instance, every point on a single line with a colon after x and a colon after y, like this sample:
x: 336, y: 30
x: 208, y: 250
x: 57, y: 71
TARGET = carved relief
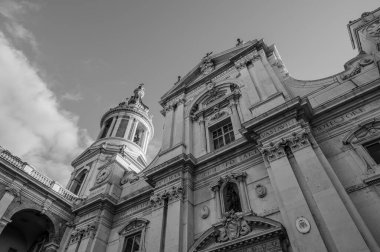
x: 356, y: 67
x: 207, y: 65
x: 234, y: 226
x: 46, y: 205
x: 129, y: 177
x: 205, y: 211
x: 372, y: 31
x: 261, y: 191
x: 83, y: 233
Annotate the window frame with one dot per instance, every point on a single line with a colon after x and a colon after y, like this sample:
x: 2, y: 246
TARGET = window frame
x: 227, y: 121
x: 132, y: 228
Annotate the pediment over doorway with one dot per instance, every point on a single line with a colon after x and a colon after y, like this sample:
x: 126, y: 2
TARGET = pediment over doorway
x: 238, y: 233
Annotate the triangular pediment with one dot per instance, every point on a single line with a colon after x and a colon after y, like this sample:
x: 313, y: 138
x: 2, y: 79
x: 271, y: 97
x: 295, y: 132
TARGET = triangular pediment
x: 207, y: 66
x: 240, y: 231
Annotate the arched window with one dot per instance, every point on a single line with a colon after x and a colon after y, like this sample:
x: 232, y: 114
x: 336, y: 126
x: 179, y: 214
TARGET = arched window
x: 132, y: 236
x: 231, y: 198
x: 231, y: 194
x: 365, y: 141
x: 77, y: 182
x: 106, y: 128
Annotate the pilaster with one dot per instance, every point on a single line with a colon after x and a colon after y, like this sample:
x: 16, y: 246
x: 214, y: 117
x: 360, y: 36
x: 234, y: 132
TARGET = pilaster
x: 168, y: 127
x: 292, y: 200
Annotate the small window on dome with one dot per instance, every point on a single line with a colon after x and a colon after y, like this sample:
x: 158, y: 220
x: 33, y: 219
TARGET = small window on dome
x: 139, y: 135
x: 106, y: 128
x: 122, y: 127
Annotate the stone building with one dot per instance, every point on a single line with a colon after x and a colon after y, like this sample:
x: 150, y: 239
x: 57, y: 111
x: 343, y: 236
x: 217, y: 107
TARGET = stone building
x: 251, y: 160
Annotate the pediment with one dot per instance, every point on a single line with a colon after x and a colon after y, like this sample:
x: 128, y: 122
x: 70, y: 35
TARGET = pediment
x: 241, y: 231
x: 207, y: 66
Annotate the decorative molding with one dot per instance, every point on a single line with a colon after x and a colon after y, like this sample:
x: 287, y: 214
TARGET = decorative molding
x: 83, y: 233
x: 250, y: 57
x: 276, y: 150
x: 133, y: 226
x: 364, y: 130
x: 171, y: 194
x: 356, y: 67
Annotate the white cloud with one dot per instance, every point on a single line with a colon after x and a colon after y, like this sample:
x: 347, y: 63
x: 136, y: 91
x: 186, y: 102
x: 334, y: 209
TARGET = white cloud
x: 32, y: 123
x: 13, y: 11
x: 72, y: 97
x: 19, y: 32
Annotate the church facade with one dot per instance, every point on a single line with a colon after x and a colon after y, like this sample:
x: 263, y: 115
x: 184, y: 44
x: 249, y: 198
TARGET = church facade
x: 251, y: 160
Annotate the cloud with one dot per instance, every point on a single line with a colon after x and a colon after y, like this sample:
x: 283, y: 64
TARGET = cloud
x: 13, y: 11
x: 71, y: 97
x: 32, y: 123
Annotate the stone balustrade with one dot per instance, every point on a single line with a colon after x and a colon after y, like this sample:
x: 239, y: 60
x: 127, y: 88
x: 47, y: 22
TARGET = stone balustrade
x: 32, y: 172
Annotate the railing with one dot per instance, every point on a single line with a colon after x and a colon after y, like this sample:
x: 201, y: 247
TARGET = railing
x: 31, y: 171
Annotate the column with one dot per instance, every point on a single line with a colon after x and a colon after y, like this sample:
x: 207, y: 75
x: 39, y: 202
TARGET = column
x: 328, y: 202
x: 258, y: 86
x: 179, y: 123
x: 174, y: 230
x: 243, y: 193
x: 251, y: 89
x: 264, y: 82
x: 292, y: 202
x: 276, y: 81
x: 189, y: 135
x: 155, y: 234
x: 168, y: 128
x: 203, y: 137
x: 236, y: 123
x: 6, y: 200
x: 216, y: 190
x: 111, y: 127
x: 117, y: 124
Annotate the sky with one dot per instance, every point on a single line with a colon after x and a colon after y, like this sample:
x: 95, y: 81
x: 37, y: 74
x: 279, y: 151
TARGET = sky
x: 64, y: 63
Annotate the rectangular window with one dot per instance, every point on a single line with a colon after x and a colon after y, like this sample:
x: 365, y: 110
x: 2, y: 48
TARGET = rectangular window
x: 132, y: 243
x: 222, y: 135
x: 373, y: 149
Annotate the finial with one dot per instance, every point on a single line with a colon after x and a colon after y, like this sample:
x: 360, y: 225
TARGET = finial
x: 178, y: 78
x: 239, y: 41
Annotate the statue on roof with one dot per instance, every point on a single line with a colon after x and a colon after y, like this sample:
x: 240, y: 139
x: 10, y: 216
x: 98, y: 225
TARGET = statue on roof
x: 207, y: 65
x: 136, y: 99
x: 239, y: 41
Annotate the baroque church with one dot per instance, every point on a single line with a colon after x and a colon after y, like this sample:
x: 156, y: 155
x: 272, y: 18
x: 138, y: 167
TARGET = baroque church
x: 251, y: 160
